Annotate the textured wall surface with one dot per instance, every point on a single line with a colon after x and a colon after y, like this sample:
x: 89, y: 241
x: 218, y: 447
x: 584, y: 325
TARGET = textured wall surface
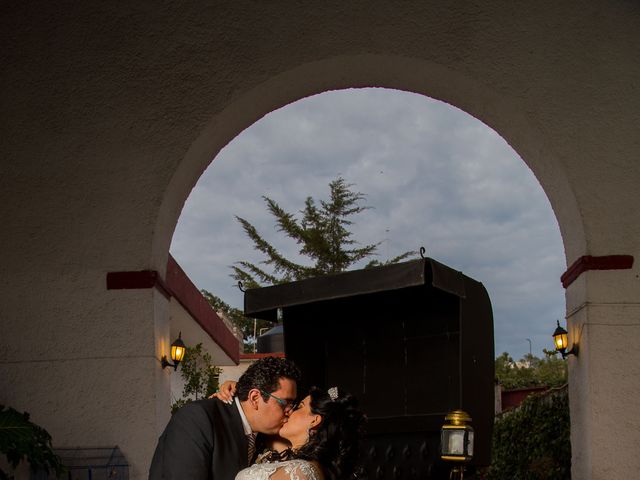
x: 110, y: 113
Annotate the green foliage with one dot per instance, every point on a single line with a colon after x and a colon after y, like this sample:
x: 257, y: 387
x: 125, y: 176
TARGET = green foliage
x: 199, y: 374
x: 532, y: 442
x: 531, y: 371
x: 245, y: 324
x: 324, y: 238
x: 322, y: 234
x: 21, y: 439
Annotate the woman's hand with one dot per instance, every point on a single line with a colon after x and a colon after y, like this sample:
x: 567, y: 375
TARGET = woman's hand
x: 226, y: 391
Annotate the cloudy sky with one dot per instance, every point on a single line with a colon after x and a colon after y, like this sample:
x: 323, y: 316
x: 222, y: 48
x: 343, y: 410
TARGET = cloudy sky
x: 435, y: 177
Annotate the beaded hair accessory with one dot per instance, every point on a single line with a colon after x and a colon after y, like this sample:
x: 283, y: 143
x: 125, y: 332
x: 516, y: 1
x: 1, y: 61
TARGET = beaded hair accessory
x: 333, y: 393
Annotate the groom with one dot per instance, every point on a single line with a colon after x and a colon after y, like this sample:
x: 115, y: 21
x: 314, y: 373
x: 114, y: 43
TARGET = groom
x: 212, y: 440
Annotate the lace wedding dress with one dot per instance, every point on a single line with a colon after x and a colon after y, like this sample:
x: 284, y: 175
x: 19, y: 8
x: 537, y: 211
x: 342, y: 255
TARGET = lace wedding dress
x: 293, y: 470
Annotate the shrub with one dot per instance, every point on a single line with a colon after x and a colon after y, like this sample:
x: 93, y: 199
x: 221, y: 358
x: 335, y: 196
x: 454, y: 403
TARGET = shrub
x: 199, y: 374
x: 21, y: 440
x: 531, y: 442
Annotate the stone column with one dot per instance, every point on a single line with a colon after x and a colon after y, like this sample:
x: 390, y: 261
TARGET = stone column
x: 603, y: 317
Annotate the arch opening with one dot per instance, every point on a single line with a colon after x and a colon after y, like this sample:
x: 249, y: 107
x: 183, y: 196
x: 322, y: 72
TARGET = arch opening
x: 211, y: 141
x: 408, y: 75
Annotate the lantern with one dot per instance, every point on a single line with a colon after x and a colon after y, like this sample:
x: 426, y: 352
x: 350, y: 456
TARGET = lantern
x: 456, y: 438
x: 178, y: 349
x: 561, y: 342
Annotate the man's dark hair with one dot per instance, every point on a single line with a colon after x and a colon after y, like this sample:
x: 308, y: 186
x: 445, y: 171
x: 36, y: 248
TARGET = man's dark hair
x: 265, y: 375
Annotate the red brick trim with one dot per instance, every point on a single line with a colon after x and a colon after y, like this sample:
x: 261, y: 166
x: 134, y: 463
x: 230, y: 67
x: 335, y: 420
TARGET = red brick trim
x: 588, y: 262
x: 179, y: 286
x: 257, y: 356
x: 200, y: 309
x: 134, y: 280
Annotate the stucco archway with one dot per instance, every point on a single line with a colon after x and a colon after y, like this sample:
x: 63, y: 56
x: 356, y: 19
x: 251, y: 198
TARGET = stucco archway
x: 400, y: 73
x: 111, y: 113
x: 407, y: 74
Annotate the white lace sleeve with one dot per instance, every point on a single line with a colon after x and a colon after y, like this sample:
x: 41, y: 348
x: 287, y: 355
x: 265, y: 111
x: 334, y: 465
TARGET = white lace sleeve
x: 289, y: 470
x: 257, y: 471
x: 297, y: 470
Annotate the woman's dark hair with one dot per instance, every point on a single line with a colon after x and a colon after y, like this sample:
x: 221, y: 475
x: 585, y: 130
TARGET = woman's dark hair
x: 334, y: 444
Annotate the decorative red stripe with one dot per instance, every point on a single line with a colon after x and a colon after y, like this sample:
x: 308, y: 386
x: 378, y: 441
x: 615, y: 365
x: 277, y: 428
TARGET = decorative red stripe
x: 185, y: 292
x: 588, y: 262
x: 256, y: 356
x: 200, y: 309
x: 134, y: 280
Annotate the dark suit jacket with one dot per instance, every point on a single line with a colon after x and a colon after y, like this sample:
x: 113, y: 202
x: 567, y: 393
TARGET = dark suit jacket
x: 204, y: 440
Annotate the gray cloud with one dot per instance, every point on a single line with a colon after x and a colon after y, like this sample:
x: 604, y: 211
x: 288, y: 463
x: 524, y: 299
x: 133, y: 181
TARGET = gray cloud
x: 435, y: 176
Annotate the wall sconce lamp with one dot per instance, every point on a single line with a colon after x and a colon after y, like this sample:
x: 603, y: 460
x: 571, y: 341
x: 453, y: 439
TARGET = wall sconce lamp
x: 456, y: 441
x: 561, y: 342
x: 178, y: 349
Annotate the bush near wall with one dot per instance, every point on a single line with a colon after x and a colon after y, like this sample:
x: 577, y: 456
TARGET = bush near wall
x: 22, y: 440
x: 199, y: 374
x: 531, y: 442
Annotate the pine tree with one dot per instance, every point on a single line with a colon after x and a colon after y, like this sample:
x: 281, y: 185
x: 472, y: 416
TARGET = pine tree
x: 322, y: 233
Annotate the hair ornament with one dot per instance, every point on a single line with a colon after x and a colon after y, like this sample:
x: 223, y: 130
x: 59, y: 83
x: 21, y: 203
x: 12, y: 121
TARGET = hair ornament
x: 333, y: 393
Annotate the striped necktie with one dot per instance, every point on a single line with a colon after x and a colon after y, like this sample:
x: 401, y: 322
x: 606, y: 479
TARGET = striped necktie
x: 251, y: 450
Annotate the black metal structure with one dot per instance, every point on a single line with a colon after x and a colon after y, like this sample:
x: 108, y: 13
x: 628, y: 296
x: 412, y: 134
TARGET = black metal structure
x: 272, y: 340
x: 89, y: 463
x: 412, y: 341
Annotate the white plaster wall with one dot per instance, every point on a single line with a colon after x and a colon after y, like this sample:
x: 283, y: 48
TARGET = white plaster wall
x: 90, y: 383
x: 111, y: 112
x: 234, y: 372
x: 192, y: 334
x: 604, y: 320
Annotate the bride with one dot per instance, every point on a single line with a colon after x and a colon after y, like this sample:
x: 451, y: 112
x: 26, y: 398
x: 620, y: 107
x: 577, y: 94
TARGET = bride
x: 322, y: 434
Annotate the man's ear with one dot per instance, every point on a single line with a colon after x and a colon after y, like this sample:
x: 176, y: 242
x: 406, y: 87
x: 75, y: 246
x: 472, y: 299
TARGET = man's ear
x: 254, y: 398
